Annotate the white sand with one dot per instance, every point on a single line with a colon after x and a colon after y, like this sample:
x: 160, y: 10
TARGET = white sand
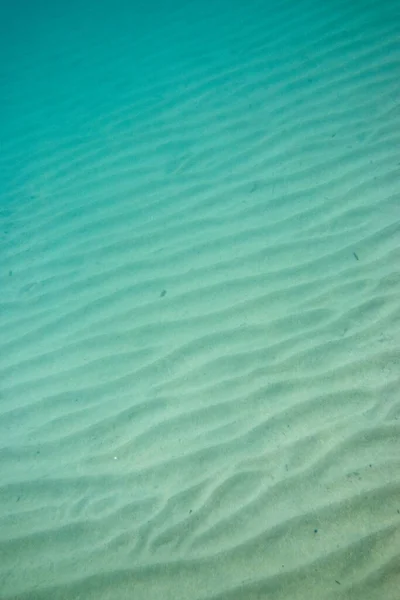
x: 199, y: 302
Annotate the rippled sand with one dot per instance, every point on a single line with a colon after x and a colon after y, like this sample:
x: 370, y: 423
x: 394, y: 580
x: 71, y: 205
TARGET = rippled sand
x: 199, y: 303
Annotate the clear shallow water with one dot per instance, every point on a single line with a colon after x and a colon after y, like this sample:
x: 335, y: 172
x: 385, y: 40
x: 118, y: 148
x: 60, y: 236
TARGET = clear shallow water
x: 199, y: 285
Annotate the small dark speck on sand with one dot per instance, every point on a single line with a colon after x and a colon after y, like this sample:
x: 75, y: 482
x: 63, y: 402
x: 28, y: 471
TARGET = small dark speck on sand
x: 163, y: 293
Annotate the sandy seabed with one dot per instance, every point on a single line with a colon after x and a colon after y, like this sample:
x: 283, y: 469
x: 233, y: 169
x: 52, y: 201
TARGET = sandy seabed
x: 199, y: 302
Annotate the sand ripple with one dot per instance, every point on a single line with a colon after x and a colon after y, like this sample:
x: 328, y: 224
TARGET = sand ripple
x: 199, y: 305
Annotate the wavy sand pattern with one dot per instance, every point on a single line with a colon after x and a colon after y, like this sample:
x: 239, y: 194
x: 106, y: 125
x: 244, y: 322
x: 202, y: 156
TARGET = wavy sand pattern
x: 199, y: 303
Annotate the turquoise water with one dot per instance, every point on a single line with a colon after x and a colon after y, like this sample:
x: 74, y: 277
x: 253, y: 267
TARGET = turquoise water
x: 199, y: 283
